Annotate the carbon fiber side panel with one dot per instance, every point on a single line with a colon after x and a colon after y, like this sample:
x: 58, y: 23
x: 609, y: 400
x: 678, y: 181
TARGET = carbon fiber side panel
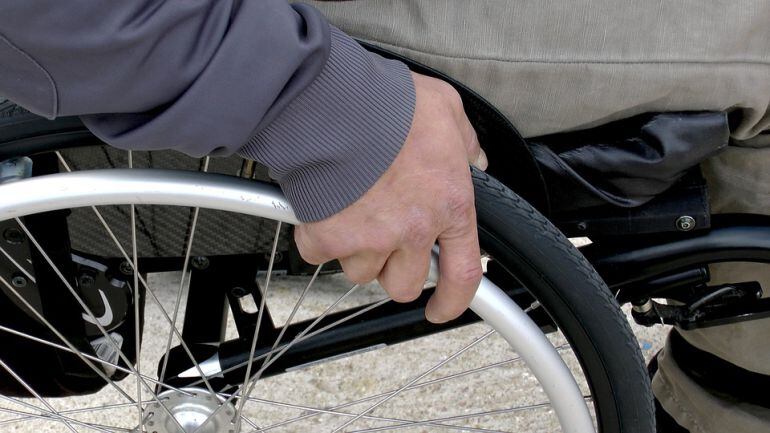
x: 162, y: 231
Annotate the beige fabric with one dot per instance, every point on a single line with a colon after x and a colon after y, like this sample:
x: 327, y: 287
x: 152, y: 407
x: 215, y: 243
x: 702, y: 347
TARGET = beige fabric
x: 739, y: 182
x: 699, y: 411
x: 553, y: 66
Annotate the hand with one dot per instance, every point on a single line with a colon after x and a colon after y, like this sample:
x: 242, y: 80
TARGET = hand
x: 425, y: 196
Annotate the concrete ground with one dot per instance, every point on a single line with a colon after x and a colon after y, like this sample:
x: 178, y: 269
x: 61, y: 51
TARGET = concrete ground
x: 336, y: 382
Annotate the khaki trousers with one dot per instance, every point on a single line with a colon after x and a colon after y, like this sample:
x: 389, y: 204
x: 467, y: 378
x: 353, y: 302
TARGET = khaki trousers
x: 554, y: 66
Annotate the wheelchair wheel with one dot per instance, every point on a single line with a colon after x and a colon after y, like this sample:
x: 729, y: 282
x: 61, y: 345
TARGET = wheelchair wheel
x: 110, y: 336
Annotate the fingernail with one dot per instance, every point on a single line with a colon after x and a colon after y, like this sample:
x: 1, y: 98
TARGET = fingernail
x: 433, y: 317
x: 481, y: 162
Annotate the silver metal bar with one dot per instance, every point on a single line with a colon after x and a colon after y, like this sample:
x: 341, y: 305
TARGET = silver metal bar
x: 526, y: 338
x: 144, y: 186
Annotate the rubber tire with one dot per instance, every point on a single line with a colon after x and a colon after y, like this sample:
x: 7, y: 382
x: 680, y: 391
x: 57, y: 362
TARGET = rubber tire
x: 527, y: 245
x: 521, y: 240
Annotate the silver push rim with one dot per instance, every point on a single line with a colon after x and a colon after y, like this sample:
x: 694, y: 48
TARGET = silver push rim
x: 226, y: 193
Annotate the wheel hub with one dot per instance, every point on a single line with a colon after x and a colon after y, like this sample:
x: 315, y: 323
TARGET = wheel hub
x: 191, y: 411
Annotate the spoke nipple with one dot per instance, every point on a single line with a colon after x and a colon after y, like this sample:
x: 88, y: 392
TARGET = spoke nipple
x: 238, y: 292
x: 126, y: 268
x: 19, y: 281
x: 278, y: 257
x: 86, y: 280
x: 13, y: 236
x: 200, y: 262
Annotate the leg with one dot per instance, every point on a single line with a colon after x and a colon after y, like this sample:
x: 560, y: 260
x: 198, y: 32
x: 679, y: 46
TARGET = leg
x: 552, y: 68
x: 739, y: 182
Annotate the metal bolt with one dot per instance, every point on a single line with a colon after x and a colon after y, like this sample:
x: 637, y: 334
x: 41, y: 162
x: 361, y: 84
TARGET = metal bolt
x: 582, y: 226
x: 13, y: 236
x: 685, y: 223
x: 86, y: 280
x: 126, y: 268
x: 238, y: 292
x: 200, y: 262
x: 19, y: 281
x: 278, y: 257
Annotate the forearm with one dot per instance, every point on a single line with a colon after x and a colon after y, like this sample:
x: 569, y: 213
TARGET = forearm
x: 270, y: 80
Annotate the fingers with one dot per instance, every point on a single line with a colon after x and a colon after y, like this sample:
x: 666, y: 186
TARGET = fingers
x: 459, y: 274
x: 403, y: 276
x: 363, y: 267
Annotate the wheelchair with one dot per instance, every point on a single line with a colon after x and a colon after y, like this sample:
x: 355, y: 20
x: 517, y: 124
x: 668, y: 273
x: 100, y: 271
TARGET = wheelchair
x: 151, y: 291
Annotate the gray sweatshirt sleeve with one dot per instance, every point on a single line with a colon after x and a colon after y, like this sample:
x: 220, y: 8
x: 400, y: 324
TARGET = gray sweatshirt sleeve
x: 271, y: 81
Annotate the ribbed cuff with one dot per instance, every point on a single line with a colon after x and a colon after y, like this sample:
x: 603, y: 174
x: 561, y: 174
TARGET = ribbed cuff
x: 333, y: 141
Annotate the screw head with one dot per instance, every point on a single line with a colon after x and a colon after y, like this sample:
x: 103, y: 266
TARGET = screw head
x: 582, y: 226
x: 86, y: 280
x: 200, y: 262
x: 13, y: 236
x: 126, y: 268
x: 238, y: 292
x: 685, y: 223
x: 19, y: 281
x: 278, y: 256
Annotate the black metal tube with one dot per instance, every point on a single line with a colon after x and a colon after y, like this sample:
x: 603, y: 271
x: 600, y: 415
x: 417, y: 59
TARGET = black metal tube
x: 733, y: 238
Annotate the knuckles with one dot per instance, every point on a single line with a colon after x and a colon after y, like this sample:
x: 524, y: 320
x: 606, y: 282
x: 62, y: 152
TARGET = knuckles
x: 307, y: 252
x: 460, y: 203
x: 449, y: 95
x: 419, y: 230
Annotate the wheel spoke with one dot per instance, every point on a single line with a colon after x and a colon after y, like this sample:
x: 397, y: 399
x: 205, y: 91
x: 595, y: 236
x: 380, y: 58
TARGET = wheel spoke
x: 29, y: 389
x: 48, y: 416
x: 185, y: 265
x: 137, y: 300
x: 95, y: 359
x: 291, y: 315
x: 434, y: 421
x: 255, y: 366
x: 148, y: 289
x: 399, y: 421
x: 413, y: 381
x: 412, y: 387
x: 301, y: 336
x: 63, y: 339
x: 247, y: 378
x: 283, y: 330
x: 283, y: 347
x: 409, y: 388
x: 90, y: 313
x: 18, y: 266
